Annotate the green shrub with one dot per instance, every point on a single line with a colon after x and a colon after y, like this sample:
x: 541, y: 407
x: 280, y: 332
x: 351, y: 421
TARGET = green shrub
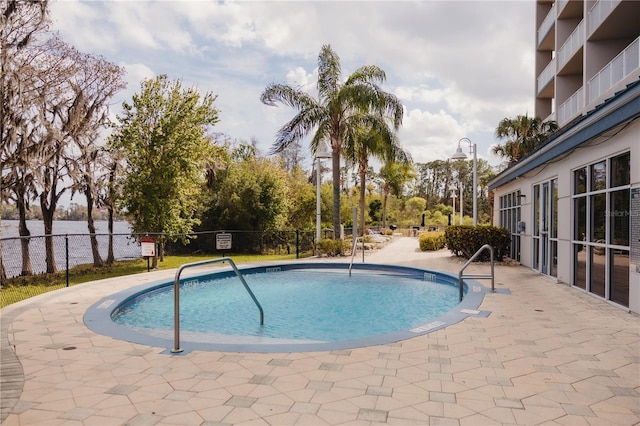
x: 465, y: 241
x: 432, y: 241
x: 332, y: 247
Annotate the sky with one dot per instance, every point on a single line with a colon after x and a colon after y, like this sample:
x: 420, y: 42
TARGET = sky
x: 458, y: 67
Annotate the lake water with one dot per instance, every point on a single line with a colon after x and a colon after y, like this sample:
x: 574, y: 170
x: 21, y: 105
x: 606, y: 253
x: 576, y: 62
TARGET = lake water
x: 9, y: 228
x: 71, y: 243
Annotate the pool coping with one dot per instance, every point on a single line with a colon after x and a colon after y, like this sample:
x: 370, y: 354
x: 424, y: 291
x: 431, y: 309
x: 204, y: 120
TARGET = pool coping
x: 98, y: 316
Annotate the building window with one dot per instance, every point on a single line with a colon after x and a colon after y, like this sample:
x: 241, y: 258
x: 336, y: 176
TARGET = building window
x: 602, y: 219
x: 509, y: 218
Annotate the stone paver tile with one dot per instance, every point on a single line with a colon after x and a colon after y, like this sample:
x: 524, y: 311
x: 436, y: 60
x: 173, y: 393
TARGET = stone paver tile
x: 478, y: 419
x: 240, y: 415
x: 79, y: 414
x: 102, y: 421
x: 179, y: 396
x: 335, y: 417
x: 240, y: 401
x: 280, y: 362
x: 500, y: 414
x: 216, y: 413
x: 573, y: 421
x: 304, y: 407
x: 122, y: 389
x: 538, y: 415
x: 578, y: 410
x: 144, y: 420
x: 265, y: 410
x: 330, y: 366
x: 262, y: 380
x: 442, y: 421
x: 371, y: 415
x: 442, y: 397
x: 379, y: 391
x: 319, y: 385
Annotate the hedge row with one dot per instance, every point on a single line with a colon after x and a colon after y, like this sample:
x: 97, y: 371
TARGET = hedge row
x: 332, y: 247
x: 465, y: 241
x: 432, y: 241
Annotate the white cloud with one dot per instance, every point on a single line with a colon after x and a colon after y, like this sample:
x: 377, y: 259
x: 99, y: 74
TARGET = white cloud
x: 458, y: 66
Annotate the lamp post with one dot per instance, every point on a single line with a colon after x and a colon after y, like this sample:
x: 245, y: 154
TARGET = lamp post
x: 459, y: 155
x: 321, y: 152
x: 453, y: 197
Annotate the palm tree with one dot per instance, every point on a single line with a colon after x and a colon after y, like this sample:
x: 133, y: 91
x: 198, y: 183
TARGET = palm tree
x: 524, y: 134
x: 372, y: 138
x: 336, y: 113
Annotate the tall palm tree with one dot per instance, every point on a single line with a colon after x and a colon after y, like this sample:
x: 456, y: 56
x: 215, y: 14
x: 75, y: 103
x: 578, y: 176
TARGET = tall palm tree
x: 336, y: 113
x: 524, y: 134
x: 372, y: 139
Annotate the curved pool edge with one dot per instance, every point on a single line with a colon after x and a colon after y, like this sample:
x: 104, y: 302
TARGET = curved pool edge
x: 98, y: 316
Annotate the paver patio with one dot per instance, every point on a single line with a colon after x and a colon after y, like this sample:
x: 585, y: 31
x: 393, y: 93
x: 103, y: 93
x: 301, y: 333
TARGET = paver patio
x: 546, y: 354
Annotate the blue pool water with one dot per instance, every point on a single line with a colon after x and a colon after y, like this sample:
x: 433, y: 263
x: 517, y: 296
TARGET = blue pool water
x: 310, y: 305
x: 307, y: 307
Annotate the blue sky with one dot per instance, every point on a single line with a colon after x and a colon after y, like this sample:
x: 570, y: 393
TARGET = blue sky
x: 459, y: 67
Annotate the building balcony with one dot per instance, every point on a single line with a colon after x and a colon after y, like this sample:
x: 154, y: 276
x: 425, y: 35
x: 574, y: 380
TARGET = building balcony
x: 570, y: 9
x: 571, y: 108
x: 599, y: 12
x: 572, y: 45
x: 625, y: 66
x: 547, y: 75
x: 545, y: 28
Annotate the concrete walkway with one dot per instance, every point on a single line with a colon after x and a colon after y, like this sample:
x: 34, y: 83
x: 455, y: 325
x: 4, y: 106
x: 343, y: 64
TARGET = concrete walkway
x: 546, y: 354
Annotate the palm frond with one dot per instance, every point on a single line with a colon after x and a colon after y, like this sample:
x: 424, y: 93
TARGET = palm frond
x: 287, y: 95
x: 299, y: 127
x: 367, y: 74
x: 329, y: 72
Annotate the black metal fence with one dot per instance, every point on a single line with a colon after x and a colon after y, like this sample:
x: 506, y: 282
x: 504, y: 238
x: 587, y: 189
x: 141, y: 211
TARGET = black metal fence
x: 28, y: 255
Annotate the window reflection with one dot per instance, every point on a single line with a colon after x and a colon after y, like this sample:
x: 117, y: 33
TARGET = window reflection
x: 621, y: 170
x: 597, y: 270
x: 580, y: 181
x: 619, y: 264
x: 620, y: 217
x: 598, y: 217
x: 580, y: 264
x: 580, y: 219
x: 599, y: 176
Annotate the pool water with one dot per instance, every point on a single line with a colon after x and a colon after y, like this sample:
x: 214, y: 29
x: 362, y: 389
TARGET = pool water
x: 307, y: 305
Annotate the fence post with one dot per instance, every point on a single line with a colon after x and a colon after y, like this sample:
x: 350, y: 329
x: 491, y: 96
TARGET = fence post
x: 66, y: 249
x: 297, y: 244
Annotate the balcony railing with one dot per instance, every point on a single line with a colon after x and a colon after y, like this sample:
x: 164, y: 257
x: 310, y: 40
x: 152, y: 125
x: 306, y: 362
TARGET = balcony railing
x: 561, y: 5
x: 571, y: 107
x: 627, y: 62
x: 599, y: 12
x: 571, y: 46
x: 546, y: 75
x: 546, y: 24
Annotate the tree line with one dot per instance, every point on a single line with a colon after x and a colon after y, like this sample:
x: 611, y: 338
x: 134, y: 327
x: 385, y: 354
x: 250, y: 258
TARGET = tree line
x: 162, y: 166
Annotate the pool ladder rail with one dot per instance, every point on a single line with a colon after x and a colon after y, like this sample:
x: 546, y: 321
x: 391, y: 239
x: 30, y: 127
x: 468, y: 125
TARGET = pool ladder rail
x: 491, y: 276
x: 176, y: 295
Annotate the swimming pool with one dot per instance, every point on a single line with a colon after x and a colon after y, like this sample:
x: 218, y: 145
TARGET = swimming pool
x: 307, y: 307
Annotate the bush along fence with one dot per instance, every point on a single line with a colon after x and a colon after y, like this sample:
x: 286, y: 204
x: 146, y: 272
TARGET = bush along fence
x: 22, y: 256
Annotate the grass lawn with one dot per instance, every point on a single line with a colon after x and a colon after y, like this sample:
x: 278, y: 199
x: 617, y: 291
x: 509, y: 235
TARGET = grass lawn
x: 20, y: 288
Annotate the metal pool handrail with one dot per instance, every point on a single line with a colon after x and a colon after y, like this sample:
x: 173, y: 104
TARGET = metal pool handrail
x: 461, y: 276
x: 176, y: 296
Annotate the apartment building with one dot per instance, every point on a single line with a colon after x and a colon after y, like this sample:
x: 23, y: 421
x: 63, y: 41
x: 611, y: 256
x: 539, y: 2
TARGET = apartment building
x: 573, y: 205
